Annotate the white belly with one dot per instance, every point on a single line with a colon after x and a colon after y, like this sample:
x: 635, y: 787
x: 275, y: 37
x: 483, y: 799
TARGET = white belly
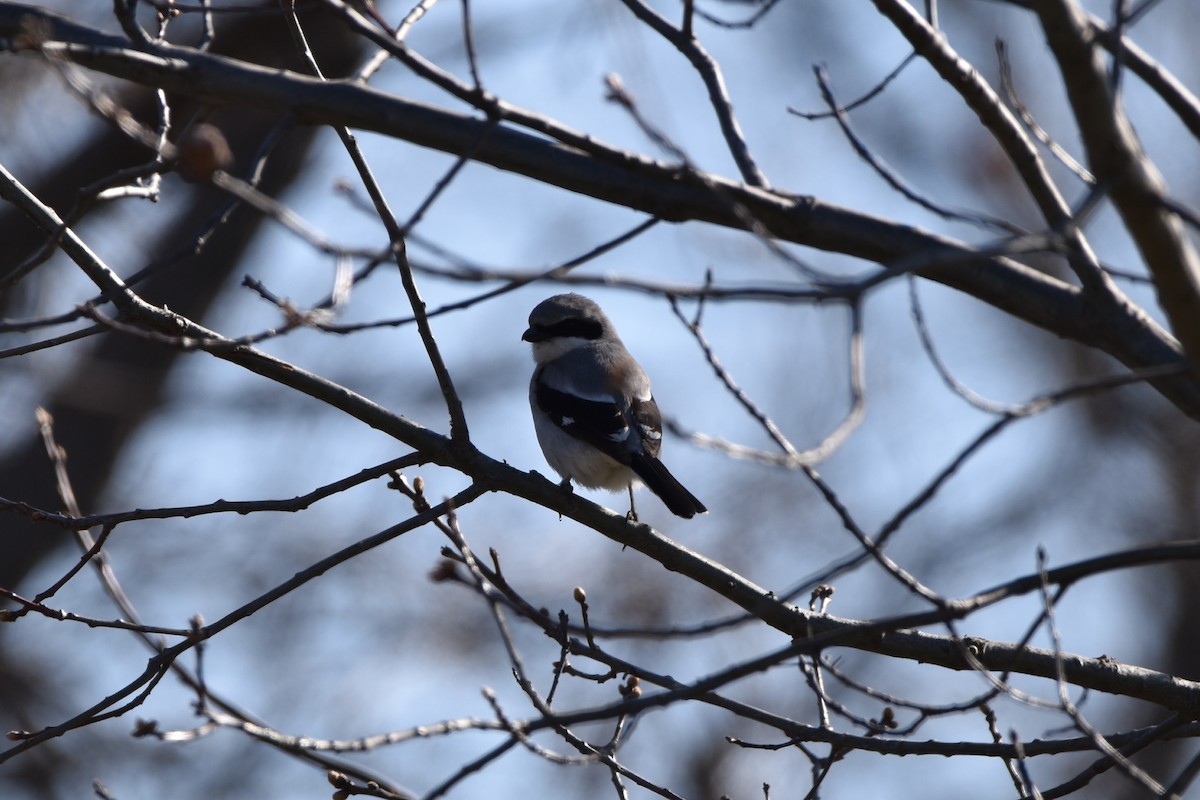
x: 578, y: 460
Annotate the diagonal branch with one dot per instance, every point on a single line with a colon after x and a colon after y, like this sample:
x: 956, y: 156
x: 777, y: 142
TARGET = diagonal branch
x: 634, y: 181
x: 684, y: 40
x: 1117, y: 158
x: 397, y: 236
x: 813, y: 632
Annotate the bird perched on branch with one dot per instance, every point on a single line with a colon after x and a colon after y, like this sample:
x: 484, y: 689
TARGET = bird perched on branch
x: 595, y: 417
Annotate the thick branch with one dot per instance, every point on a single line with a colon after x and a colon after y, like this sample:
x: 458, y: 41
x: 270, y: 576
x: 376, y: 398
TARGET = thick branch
x: 1181, y: 100
x: 1117, y: 159
x: 630, y: 180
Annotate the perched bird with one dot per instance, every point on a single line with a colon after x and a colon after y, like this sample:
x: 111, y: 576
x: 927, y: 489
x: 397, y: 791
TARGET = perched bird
x: 595, y: 417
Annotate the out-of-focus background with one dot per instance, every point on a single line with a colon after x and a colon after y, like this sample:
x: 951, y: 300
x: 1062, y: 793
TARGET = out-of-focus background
x: 375, y: 645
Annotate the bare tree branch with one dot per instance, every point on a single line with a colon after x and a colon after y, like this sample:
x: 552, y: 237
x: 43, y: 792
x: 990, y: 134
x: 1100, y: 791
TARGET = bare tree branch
x: 1119, y: 329
x: 1116, y: 157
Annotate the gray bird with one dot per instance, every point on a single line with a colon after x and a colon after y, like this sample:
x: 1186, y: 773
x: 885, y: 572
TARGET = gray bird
x: 595, y: 417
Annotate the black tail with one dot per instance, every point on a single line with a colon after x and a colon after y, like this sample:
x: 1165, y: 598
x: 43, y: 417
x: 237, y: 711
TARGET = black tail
x: 663, y: 483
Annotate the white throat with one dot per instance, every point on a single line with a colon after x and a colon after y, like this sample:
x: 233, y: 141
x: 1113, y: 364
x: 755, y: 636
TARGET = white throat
x: 553, y: 349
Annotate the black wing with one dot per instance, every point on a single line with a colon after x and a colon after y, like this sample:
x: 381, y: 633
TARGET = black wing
x: 600, y: 423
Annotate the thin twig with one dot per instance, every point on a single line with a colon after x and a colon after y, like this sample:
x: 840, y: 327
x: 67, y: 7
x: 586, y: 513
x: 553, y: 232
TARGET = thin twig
x: 710, y: 73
